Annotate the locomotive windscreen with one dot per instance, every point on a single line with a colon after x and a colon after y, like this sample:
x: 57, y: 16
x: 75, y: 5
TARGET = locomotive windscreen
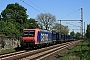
x: 30, y: 33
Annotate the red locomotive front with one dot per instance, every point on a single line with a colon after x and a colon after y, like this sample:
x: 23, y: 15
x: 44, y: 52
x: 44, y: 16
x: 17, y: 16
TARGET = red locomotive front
x: 29, y: 36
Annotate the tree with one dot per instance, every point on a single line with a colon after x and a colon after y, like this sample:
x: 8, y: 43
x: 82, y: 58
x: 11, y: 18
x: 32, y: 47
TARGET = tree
x: 14, y: 13
x: 78, y: 35
x: 46, y: 21
x: 57, y: 27
x: 31, y: 22
x: 72, y: 33
x: 14, y: 18
x: 9, y: 29
x: 88, y: 31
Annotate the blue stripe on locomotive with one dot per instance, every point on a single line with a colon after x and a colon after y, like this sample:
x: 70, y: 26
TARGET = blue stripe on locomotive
x: 44, y: 37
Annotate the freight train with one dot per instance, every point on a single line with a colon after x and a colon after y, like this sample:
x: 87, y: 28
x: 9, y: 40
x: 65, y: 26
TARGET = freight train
x: 35, y: 36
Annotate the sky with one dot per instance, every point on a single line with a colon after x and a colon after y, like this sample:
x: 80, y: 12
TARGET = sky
x: 62, y: 9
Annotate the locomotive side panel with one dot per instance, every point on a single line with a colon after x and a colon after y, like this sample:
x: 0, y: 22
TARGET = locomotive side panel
x: 44, y: 37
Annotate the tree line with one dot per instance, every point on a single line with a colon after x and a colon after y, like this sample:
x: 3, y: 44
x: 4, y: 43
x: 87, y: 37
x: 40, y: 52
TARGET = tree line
x: 13, y: 19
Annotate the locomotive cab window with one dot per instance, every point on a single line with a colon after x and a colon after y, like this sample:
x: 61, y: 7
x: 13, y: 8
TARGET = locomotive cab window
x: 29, y: 33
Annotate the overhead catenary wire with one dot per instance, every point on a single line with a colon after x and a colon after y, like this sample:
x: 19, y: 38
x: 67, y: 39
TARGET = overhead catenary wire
x: 72, y: 24
x: 37, y: 6
x: 30, y: 6
x: 70, y: 14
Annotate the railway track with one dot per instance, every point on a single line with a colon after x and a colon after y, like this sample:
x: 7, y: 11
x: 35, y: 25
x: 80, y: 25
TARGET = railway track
x: 10, y: 54
x: 38, y: 54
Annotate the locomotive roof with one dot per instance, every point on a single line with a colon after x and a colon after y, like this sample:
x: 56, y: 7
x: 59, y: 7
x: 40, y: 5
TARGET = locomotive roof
x: 36, y: 29
x: 45, y: 30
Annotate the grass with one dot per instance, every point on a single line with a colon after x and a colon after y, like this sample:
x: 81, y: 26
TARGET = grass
x: 7, y: 51
x: 78, y: 52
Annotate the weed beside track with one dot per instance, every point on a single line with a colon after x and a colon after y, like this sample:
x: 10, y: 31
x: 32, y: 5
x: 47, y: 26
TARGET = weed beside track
x: 79, y: 52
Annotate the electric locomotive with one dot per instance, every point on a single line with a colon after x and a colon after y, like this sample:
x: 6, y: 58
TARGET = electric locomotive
x: 34, y: 36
